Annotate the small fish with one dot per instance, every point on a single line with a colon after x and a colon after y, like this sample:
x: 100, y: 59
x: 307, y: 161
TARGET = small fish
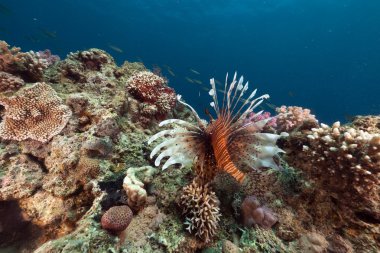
x: 197, y: 81
x: 218, y: 82
x: 49, y: 34
x: 189, y: 79
x: 115, y: 48
x: 291, y: 94
x: 271, y: 106
x: 194, y: 71
x: 170, y: 72
x: 32, y: 38
x: 139, y: 59
x: 205, y: 88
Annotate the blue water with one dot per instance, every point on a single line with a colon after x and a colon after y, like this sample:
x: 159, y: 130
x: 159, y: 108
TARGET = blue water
x: 319, y: 54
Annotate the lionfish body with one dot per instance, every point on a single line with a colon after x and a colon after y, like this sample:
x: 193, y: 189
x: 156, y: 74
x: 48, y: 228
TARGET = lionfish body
x: 226, y: 143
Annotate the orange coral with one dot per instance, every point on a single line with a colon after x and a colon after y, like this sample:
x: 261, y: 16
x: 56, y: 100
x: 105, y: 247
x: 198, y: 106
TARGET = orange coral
x: 35, y: 112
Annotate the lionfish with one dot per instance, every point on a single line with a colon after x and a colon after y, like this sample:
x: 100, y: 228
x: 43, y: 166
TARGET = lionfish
x: 226, y: 143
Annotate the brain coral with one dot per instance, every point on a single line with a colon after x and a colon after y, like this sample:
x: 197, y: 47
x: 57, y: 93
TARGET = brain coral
x: 35, y: 112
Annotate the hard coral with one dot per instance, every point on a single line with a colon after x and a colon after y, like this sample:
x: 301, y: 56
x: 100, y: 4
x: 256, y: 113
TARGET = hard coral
x: 201, y: 209
x: 134, y: 187
x: 9, y: 82
x: 152, y: 90
x: 8, y: 56
x: 342, y: 160
x: 117, y: 218
x: 293, y: 117
x: 35, y: 112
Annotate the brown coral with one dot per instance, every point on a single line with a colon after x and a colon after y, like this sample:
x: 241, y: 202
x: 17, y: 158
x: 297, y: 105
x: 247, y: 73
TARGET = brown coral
x: 254, y: 213
x: 8, y: 56
x: 158, y: 99
x: 35, y: 112
x: 201, y: 209
x: 117, y: 218
x: 9, y: 82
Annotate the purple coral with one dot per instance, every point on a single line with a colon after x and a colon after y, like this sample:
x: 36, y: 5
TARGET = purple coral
x: 254, y: 213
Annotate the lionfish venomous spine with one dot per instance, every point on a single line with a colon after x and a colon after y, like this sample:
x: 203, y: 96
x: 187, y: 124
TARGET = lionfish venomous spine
x: 226, y: 143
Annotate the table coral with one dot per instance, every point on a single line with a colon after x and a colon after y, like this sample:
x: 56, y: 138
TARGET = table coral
x: 35, y: 112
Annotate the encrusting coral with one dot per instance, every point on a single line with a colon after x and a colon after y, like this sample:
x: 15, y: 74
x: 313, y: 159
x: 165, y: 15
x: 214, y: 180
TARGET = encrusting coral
x: 35, y: 112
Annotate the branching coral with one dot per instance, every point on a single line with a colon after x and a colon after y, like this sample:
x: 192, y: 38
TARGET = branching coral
x: 8, y: 56
x: 35, y: 112
x: 292, y: 117
x: 9, y: 82
x: 201, y: 209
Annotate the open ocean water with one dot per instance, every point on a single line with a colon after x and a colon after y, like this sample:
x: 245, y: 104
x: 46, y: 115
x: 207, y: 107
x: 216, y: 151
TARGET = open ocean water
x: 319, y: 54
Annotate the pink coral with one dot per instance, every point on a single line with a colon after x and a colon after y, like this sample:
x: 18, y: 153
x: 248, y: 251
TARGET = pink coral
x: 151, y: 89
x: 117, y: 218
x: 253, y: 213
x: 293, y: 117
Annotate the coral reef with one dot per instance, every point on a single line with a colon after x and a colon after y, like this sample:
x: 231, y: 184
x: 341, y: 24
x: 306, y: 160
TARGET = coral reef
x: 84, y: 133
